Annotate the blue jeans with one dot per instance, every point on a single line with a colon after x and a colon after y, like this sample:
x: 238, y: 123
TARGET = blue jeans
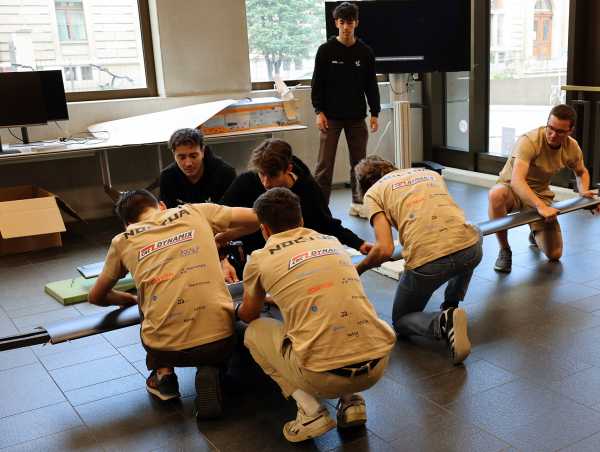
x: 417, y: 285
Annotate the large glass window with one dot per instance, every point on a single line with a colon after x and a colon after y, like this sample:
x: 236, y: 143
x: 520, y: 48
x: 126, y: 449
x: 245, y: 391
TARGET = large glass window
x: 97, y: 44
x: 283, y: 37
x: 457, y: 110
x: 528, y: 64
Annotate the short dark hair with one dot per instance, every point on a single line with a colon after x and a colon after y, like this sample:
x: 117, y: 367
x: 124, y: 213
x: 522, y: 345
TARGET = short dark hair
x: 346, y: 11
x: 271, y: 157
x: 279, y: 209
x: 564, y: 112
x: 369, y: 170
x: 132, y: 203
x: 186, y: 137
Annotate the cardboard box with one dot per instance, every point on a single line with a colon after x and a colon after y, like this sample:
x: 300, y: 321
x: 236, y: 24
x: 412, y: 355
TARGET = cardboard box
x: 30, y: 219
x: 248, y: 114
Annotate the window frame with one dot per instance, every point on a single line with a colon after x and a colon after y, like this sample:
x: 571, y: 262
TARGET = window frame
x: 151, y: 89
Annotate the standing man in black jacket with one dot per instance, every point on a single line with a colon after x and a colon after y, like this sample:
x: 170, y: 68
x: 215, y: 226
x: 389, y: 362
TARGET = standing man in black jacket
x: 344, y: 73
x: 196, y: 175
x: 274, y: 166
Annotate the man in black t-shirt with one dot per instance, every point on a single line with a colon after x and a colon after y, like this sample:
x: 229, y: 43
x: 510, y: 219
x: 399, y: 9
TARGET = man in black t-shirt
x: 344, y: 73
x: 274, y: 165
x: 196, y: 175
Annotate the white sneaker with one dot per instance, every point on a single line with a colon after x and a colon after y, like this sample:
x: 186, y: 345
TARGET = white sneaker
x: 305, y: 427
x: 351, y: 413
x: 358, y: 210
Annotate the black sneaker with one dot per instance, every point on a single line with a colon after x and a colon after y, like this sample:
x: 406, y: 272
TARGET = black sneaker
x: 453, y: 323
x: 165, y: 388
x: 504, y: 262
x: 532, y: 241
x: 209, y: 398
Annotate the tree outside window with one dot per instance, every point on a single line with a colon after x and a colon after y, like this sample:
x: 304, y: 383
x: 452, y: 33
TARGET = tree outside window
x: 70, y: 20
x: 284, y: 37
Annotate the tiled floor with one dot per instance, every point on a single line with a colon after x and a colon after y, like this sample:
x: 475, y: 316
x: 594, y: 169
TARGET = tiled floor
x: 531, y: 383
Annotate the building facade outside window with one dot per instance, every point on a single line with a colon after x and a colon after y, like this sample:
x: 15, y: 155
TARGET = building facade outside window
x: 528, y: 64
x: 97, y: 44
x: 283, y: 37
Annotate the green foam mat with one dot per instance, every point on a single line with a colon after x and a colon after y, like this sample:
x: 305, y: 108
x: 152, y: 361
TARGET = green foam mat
x: 75, y: 290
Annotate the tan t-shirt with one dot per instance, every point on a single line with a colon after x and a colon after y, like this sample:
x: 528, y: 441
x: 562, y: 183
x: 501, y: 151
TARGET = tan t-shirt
x: 544, y: 162
x: 175, y: 264
x: 326, y: 314
x: 417, y: 203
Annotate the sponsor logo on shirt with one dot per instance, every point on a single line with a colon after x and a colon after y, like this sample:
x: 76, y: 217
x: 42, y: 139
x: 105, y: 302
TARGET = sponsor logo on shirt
x: 302, y: 239
x: 171, y: 218
x: 162, y: 278
x: 336, y: 62
x: 160, y: 245
x: 307, y: 255
x: 412, y: 181
x: 190, y: 251
x: 318, y: 287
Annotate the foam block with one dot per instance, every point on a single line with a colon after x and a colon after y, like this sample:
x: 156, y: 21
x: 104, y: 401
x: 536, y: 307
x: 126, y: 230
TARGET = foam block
x: 75, y: 290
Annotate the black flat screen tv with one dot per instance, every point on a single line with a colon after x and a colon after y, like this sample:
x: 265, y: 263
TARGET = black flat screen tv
x: 413, y: 35
x: 53, y: 89
x: 22, y: 99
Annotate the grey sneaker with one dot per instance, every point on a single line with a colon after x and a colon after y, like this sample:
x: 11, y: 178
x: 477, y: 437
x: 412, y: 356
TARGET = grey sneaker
x: 453, y: 324
x: 504, y: 262
x: 351, y: 413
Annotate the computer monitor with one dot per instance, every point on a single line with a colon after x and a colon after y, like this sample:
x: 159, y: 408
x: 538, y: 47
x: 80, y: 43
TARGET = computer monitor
x: 54, y: 95
x: 23, y: 101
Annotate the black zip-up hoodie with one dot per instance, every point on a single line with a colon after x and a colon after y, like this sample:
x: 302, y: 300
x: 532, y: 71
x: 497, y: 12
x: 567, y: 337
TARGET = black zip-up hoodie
x: 246, y: 188
x: 341, y: 79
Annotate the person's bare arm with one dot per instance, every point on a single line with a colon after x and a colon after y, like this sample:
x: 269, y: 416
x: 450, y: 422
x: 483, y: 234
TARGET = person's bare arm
x: 250, y: 309
x: 243, y: 222
x: 383, y: 248
x: 524, y: 191
x: 583, y: 183
x: 103, y: 294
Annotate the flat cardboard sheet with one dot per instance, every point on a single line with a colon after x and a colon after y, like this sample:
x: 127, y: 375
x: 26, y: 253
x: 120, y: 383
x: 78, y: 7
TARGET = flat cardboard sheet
x: 158, y: 127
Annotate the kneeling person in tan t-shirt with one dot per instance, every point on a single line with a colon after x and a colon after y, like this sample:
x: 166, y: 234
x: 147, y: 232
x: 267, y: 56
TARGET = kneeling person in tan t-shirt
x: 185, y: 307
x: 331, y: 343
x: 439, y: 246
x: 525, y: 182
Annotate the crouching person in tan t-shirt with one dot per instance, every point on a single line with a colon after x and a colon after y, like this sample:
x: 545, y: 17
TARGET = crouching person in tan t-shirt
x: 185, y: 307
x: 331, y: 343
x: 525, y: 182
x: 439, y: 246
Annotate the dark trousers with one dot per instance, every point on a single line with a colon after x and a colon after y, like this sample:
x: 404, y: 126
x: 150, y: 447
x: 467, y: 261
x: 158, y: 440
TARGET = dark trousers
x: 417, y: 285
x: 357, y: 136
x: 212, y: 354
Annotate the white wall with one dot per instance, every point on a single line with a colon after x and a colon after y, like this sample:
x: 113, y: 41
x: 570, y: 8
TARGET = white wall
x: 201, y: 51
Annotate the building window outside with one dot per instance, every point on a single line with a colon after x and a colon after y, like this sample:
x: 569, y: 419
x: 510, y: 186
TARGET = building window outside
x: 70, y: 73
x: 283, y: 37
x: 86, y: 73
x: 103, y: 54
x: 70, y: 20
x: 527, y: 67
